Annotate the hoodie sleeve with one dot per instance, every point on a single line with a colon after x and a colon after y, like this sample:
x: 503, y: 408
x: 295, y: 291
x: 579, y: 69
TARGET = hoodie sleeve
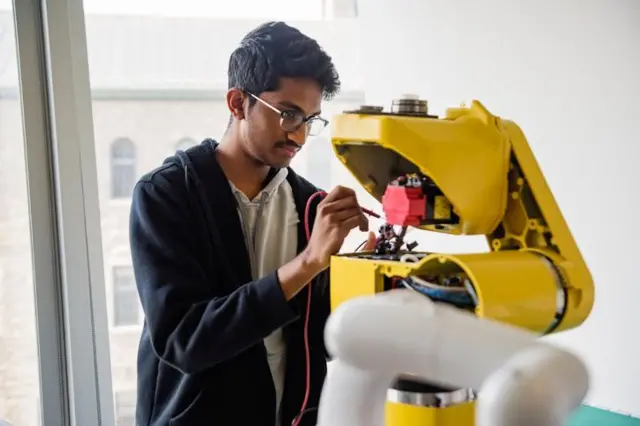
x: 188, y: 328
x: 321, y: 310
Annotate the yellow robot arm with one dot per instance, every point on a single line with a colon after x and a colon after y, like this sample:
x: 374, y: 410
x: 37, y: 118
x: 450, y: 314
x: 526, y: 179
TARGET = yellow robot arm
x: 478, y: 177
x: 467, y: 173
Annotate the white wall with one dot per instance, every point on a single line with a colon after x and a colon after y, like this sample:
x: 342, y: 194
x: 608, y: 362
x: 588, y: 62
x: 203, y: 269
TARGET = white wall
x: 569, y: 73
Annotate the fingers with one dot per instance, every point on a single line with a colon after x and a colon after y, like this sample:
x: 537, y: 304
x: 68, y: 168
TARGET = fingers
x: 339, y: 199
x: 339, y: 192
x: 353, y: 222
x: 338, y: 205
x: 342, y: 215
x: 370, y: 244
x: 363, y: 223
x: 341, y: 208
x: 351, y: 214
x: 371, y: 241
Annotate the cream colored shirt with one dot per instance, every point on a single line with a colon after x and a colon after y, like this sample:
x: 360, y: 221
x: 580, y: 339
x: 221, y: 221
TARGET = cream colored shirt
x: 270, y: 224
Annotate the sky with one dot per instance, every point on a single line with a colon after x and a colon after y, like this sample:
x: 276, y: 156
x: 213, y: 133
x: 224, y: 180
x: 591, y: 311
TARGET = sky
x: 282, y: 9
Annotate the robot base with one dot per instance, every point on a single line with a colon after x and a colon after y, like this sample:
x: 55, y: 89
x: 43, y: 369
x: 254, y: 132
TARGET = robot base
x: 405, y: 414
x: 413, y: 403
x: 377, y: 339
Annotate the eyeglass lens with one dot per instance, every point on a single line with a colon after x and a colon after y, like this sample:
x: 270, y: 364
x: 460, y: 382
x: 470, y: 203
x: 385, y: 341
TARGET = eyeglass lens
x: 292, y: 122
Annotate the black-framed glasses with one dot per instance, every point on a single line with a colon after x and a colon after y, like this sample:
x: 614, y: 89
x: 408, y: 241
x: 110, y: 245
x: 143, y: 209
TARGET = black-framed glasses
x: 292, y: 120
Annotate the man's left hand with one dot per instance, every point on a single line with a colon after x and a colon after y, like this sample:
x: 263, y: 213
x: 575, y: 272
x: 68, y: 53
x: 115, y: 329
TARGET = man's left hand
x: 371, y: 242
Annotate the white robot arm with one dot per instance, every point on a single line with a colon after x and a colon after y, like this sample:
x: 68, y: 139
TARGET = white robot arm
x: 521, y: 381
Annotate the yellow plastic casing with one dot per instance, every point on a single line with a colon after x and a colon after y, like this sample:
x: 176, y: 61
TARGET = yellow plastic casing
x: 487, y: 171
x: 403, y: 414
x: 516, y: 287
x: 533, y: 276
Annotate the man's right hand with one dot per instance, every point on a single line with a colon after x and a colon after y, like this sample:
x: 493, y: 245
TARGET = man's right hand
x: 336, y: 216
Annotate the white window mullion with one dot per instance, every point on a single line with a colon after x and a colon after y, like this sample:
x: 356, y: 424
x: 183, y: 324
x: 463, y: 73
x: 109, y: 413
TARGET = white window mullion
x: 54, y: 403
x: 79, y: 247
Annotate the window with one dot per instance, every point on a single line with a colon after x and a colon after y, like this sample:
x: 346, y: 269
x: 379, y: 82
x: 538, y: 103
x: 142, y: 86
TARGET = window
x: 319, y: 161
x: 162, y: 85
x: 126, y: 304
x: 238, y: 10
x: 123, y: 168
x: 184, y: 144
x: 125, y: 406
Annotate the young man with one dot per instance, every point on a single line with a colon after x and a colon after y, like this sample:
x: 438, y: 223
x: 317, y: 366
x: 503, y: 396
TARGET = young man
x: 220, y: 253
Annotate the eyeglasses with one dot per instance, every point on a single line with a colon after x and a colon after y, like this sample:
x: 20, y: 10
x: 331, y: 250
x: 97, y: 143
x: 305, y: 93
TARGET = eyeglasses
x: 292, y: 120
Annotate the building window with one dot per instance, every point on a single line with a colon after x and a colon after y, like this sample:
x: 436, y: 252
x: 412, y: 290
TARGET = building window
x: 123, y: 168
x: 125, y: 408
x: 184, y: 144
x: 319, y: 154
x: 126, y: 305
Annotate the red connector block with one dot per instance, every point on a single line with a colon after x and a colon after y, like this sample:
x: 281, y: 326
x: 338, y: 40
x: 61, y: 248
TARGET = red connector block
x: 404, y: 206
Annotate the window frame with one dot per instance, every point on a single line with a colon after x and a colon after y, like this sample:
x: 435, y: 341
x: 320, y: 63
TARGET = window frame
x: 70, y: 299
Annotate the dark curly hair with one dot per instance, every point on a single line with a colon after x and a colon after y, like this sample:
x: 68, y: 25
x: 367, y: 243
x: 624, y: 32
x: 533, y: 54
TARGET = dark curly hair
x: 275, y: 50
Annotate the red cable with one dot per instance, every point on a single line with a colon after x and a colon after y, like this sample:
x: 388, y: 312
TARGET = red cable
x: 307, y: 230
x: 296, y: 421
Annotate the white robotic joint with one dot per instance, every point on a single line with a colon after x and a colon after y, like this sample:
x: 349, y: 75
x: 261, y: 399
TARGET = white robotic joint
x: 376, y: 338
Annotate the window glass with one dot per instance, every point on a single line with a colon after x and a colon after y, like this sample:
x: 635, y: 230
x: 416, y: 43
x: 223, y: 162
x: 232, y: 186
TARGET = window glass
x: 123, y: 167
x: 125, y: 408
x: 239, y: 9
x: 126, y: 305
x: 184, y: 144
x: 158, y: 85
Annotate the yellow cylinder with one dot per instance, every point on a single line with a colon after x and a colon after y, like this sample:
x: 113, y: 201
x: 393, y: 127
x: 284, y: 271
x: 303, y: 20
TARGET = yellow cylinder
x: 520, y: 288
x: 454, y: 408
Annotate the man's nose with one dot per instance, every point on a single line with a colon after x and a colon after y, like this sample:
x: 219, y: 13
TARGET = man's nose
x: 299, y: 136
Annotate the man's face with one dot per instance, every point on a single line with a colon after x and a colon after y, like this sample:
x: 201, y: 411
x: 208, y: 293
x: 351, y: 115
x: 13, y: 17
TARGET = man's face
x: 264, y: 133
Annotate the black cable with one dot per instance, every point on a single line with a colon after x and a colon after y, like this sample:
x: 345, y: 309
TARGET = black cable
x: 305, y: 411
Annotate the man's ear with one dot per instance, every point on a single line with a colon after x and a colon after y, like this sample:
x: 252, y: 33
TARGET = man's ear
x: 235, y: 103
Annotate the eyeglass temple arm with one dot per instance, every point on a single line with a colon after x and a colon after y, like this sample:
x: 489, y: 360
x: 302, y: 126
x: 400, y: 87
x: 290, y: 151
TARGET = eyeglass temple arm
x: 265, y: 103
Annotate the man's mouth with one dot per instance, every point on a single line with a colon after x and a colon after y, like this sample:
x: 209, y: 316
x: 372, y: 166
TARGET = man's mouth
x: 289, y: 150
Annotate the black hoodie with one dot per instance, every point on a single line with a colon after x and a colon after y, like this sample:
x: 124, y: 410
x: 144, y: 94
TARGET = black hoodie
x: 202, y: 359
